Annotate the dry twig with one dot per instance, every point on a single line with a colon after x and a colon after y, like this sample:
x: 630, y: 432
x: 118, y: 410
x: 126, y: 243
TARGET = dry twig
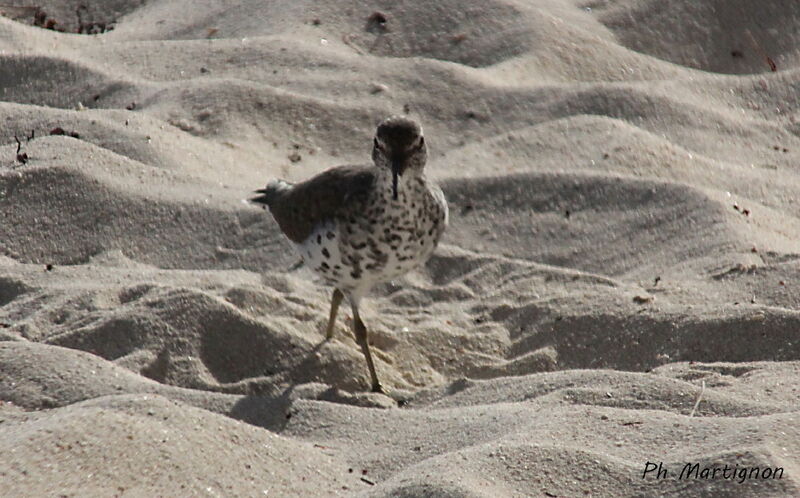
x: 699, y: 397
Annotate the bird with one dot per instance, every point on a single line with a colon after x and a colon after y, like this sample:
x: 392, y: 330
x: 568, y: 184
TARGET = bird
x: 356, y: 226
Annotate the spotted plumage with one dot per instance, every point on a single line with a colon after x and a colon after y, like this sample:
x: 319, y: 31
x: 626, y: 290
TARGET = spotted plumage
x: 356, y: 226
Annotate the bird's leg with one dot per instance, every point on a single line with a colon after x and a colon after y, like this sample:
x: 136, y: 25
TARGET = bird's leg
x: 361, y: 337
x: 336, y: 300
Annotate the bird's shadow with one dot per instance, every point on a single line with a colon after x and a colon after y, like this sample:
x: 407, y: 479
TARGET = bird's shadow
x: 274, y: 411
x: 269, y: 410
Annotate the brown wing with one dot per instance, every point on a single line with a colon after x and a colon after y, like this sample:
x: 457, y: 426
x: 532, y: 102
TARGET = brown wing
x: 321, y: 198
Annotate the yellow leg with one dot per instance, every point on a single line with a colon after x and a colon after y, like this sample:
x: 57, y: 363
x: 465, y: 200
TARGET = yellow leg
x: 336, y: 300
x: 361, y: 337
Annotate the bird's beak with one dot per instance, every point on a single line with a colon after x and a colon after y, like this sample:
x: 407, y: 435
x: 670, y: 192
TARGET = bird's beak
x: 397, y: 171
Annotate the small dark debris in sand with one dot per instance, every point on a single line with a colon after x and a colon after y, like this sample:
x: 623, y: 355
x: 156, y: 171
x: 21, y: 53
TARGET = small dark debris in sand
x: 367, y: 481
x: 203, y: 70
x: 467, y: 209
x: 4, y: 325
x: 406, y: 108
x: 737, y: 54
x: 295, y: 157
x: 88, y: 27
x: 48, y: 267
x: 460, y: 37
x: 316, y: 22
x: 60, y: 131
x: 771, y: 63
x: 377, y: 23
x: 475, y: 115
x: 744, y: 211
x: 566, y: 214
x: 656, y: 281
x: 633, y: 422
x: 643, y: 299
x: 131, y: 106
x: 772, y: 66
x: 377, y: 88
x: 41, y: 19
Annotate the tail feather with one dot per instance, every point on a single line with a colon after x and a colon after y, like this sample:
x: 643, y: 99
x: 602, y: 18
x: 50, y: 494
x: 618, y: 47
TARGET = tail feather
x: 271, y: 192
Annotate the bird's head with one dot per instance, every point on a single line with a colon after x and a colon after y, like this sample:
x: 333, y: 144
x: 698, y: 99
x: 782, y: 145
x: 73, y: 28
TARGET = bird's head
x: 400, y: 147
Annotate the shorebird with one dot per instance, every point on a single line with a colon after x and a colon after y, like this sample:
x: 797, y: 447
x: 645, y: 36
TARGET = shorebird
x: 357, y: 226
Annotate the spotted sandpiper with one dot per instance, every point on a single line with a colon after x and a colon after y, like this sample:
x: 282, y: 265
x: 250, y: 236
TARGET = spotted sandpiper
x: 357, y: 226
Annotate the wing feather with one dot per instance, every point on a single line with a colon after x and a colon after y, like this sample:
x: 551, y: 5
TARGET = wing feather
x: 333, y: 193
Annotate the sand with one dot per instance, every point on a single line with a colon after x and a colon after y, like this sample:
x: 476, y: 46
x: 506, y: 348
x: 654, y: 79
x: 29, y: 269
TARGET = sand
x: 623, y: 187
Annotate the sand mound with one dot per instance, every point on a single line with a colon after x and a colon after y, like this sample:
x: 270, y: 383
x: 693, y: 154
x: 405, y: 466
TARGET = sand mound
x: 67, y: 84
x: 143, y: 444
x: 623, y: 232
x: 522, y: 426
x: 715, y: 35
x: 403, y: 29
x: 480, y: 443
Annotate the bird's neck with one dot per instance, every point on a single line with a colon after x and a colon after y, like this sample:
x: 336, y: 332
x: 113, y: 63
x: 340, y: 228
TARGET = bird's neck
x: 408, y: 184
x: 409, y: 176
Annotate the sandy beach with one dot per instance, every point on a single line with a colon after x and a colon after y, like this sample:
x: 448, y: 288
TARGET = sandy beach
x: 614, y: 309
